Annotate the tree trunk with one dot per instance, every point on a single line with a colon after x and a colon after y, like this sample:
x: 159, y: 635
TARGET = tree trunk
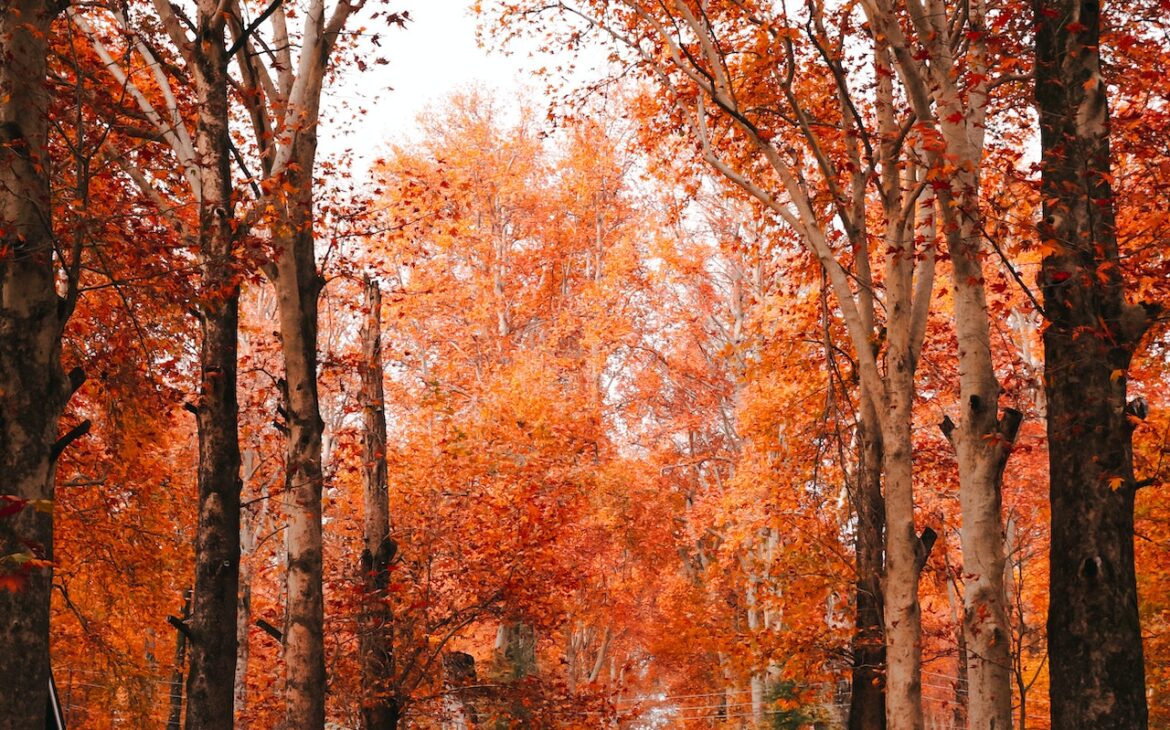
x: 905, y: 555
x: 515, y: 659
x: 297, y: 286
x: 982, y: 442
x: 515, y: 650
x: 905, y: 550
x: 211, y: 677
x: 175, y: 716
x: 380, y: 705
x: 33, y: 387
x: 1097, y: 675
x: 867, y: 700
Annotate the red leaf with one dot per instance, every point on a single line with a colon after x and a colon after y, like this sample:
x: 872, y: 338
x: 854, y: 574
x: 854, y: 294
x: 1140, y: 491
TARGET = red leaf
x: 10, y: 505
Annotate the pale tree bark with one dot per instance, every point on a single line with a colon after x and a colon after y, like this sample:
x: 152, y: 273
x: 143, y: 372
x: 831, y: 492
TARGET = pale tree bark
x: 297, y: 287
x: 760, y: 616
x: 906, y: 551
x: 582, y: 642
x: 291, y: 95
x: 33, y: 387
x: 982, y: 439
x: 1097, y: 674
x: 380, y: 705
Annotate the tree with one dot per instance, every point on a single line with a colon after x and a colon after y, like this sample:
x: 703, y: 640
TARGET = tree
x: 211, y: 678
x: 380, y: 709
x: 758, y: 128
x: 284, y: 117
x: 1095, y: 640
x: 205, y: 164
x: 35, y: 388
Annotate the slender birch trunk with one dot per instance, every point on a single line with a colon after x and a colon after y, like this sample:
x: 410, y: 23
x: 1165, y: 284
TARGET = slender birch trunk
x: 1097, y: 673
x: 982, y: 440
x: 906, y: 307
x: 288, y: 98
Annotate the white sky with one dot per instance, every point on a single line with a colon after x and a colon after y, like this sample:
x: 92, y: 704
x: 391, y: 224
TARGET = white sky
x: 433, y: 56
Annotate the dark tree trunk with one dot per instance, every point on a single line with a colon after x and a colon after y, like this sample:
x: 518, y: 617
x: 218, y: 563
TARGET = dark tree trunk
x: 175, y: 716
x: 867, y: 703
x: 211, y: 678
x: 380, y: 705
x: 1095, y: 645
x: 297, y: 286
x: 33, y: 387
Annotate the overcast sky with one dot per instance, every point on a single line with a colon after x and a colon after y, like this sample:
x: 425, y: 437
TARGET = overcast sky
x: 434, y: 55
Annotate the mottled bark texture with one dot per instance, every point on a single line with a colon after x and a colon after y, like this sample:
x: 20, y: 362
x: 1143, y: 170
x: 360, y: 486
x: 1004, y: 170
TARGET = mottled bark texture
x: 892, y: 407
x: 380, y: 706
x: 33, y: 387
x: 211, y: 677
x: 930, y: 68
x: 1094, y: 636
x: 297, y: 286
x: 867, y: 700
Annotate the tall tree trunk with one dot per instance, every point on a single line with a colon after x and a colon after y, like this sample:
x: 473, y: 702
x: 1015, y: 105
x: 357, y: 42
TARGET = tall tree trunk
x: 515, y: 650
x: 1097, y: 676
x: 33, y: 387
x: 906, y: 554
x: 380, y: 708
x: 515, y: 659
x: 982, y: 442
x: 210, y: 680
x: 905, y: 550
x: 867, y: 700
x: 297, y: 286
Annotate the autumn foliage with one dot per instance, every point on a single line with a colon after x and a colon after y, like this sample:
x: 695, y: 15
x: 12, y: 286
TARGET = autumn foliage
x: 627, y: 406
